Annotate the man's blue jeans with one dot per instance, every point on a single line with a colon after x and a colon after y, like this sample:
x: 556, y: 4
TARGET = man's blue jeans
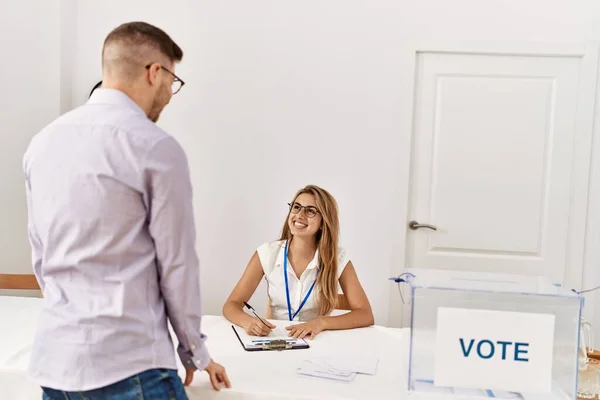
x: 154, y: 384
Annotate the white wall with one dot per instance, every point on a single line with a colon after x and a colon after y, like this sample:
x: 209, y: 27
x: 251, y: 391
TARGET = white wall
x: 281, y: 94
x: 29, y: 78
x: 277, y: 96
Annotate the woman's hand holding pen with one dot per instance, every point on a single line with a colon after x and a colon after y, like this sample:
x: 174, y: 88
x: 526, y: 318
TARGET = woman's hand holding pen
x: 258, y: 327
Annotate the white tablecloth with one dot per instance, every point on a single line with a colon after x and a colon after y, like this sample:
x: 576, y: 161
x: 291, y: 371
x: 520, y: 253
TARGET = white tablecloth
x: 254, y: 375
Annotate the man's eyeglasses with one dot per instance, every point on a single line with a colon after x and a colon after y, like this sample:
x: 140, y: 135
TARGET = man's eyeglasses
x: 310, y: 211
x: 177, y: 82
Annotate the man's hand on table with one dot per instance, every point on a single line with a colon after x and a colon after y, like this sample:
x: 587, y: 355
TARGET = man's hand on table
x: 216, y: 372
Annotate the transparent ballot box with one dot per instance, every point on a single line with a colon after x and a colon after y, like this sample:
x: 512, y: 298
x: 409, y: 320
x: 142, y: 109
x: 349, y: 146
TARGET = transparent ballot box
x: 491, y: 336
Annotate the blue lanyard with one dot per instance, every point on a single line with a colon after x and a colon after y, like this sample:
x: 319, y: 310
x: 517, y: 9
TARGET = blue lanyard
x: 287, y: 288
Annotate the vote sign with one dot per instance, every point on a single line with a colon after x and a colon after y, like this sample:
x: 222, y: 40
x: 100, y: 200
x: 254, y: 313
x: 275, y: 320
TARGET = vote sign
x: 499, y: 350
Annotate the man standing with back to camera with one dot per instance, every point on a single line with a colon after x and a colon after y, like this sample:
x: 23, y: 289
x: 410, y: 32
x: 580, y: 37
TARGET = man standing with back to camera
x: 113, y: 239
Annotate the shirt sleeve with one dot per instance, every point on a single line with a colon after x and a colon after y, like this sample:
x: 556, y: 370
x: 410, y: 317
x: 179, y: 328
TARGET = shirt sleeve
x: 171, y: 224
x: 264, y: 255
x: 343, y: 260
x: 34, y: 240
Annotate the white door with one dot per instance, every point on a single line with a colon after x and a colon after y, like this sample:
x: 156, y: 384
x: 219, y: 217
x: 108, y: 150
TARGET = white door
x: 499, y: 158
x: 492, y: 160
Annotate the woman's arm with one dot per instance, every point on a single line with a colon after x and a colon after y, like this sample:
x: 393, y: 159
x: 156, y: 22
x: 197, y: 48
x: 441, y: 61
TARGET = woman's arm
x: 360, y: 314
x: 233, y: 309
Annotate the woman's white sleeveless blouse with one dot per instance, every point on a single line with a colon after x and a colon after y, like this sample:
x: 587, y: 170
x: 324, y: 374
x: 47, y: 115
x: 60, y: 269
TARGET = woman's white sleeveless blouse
x: 271, y: 258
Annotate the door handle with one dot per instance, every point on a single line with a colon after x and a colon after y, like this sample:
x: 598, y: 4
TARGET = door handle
x: 414, y: 225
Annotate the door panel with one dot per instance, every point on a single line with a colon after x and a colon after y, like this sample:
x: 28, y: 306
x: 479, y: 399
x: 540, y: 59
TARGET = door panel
x: 493, y: 149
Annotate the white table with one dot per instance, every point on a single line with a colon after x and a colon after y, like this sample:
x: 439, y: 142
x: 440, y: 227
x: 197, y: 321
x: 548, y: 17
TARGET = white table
x: 254, y: 375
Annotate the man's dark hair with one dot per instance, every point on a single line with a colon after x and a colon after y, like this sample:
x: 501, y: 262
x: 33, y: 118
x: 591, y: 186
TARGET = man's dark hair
x: 142, y: 33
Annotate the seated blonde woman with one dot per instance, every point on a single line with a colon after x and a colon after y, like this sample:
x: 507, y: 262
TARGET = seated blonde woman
x: 303, y: 270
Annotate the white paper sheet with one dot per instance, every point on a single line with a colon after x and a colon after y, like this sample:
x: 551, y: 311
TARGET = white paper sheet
x: 342, y: 367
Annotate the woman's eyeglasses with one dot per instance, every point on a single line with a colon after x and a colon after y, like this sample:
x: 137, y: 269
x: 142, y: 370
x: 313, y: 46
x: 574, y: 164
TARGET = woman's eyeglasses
x: 310, y: 211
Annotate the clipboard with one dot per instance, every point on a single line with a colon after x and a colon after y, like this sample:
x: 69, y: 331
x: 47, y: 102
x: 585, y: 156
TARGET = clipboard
x: 266, y: 343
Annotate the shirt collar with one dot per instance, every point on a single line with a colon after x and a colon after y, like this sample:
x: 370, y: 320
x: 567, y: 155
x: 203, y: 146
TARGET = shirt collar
x: 311, y: 265
x: 114, y: 97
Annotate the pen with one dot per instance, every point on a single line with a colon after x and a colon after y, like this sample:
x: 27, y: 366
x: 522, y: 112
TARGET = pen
x: 249, y: 307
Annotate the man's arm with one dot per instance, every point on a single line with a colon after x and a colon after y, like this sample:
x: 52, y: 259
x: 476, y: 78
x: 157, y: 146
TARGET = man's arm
x: 34, y: 240
x: 174, y: 234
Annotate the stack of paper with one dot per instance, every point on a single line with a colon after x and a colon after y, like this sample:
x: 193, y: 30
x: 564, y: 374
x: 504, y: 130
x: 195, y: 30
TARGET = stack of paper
x: 340, y: 368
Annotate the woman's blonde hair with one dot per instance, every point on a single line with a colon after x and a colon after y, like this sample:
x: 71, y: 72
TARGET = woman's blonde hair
x: 327, y: 244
